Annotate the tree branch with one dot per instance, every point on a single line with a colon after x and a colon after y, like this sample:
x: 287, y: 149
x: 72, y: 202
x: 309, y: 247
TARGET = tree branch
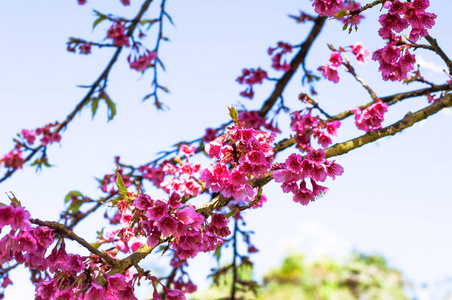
x: 440, y: 52
x: 60, y: 228
x: 294, y: 64
x: 94, y: 86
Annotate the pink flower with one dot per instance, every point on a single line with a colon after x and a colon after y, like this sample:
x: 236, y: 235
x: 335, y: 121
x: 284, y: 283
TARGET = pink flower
x: 174, y: 294
x: 85, y: 48
x: 116, y: 32
x: 158, y: 211
x: 142, y: 62
x: 81, y: 2
x: 143, y: 202
x: 27, y: 242
x: 336, y: 59
x: 333, y: 169
x: 210, y: 135
x: 318, y: 190
x: 187, y: 150
x: 370, y: 118
x: 125, y: 2
x: 332, y: 127
x: 330, y: 73
x: 30, y: 136
x: 327, y: 7
x: 95, y: 292
x: 6, y: 281
x: 116, y: 282
x: 7, y: 214
x: 252, y: 119
x: 276, y: 59
x: 251, y: 77
x: 21, y: 219
x: 13, y: 160
x: 47, y: 290
x: 167, y: 225
x: 361, y: 53
x: 293, y: 163
x: 316, y: 156
x: 303, y: 195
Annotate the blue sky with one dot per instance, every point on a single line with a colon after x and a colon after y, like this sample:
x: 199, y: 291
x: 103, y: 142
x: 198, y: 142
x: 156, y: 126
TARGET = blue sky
x: 393, y: 199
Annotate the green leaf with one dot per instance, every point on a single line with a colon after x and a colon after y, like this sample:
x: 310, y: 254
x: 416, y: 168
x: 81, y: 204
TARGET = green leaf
x: 100, y: 233
x: 101, y: 17
x: 218, y: 253
x: 94, y: 105
x: 149, y: 22
x: 111, y: 107
x: 75, y: 206
x: 72, y: 194
x: 233, y: 114
x: 121, y: 186
x: 46, y: 163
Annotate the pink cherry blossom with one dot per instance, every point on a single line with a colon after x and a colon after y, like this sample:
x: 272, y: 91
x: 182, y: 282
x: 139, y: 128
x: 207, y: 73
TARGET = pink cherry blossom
x: 327, y: 7
x: 330, y: 73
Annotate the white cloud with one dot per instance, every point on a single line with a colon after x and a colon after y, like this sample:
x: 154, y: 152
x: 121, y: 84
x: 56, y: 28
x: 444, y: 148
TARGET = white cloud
x: 429, y: 65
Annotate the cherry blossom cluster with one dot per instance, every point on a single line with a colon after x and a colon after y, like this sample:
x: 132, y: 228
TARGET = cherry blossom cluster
x: 183, y: 176
x: 353, y: 19
x: 395, y: 59
x: 307, y: 127
x: 314, y: 166
x: 142, y: 62
x: 46, y: 132
x: 116, y: 33
x: 14, y: 159
x: 252, y: 119
x: 251, y: 77
x: 370, y: 118
x: 210, y: 135
x: 328, y: 7
x: 156, y: 175
x: 28, y: 246
x: 330, y: 69
x: 159, y: 218
x: 279, y: 53
x: 248, y: 152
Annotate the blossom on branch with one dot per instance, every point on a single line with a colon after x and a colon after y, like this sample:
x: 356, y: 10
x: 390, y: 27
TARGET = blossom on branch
x: 251, y: 77
x: 116, y: 33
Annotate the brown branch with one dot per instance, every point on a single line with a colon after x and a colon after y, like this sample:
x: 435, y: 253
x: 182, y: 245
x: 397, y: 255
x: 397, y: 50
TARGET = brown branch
x: 294, y: 64
x: 390, y: 100
x: 6, y: 270
x: 440, y: 52
x: 365, y: 7
x: 94, y: 86
x: 349, y: 68
x: 338, y: 149
x: 409, y: 120
x: 341, y: 148
x: 60, y: 228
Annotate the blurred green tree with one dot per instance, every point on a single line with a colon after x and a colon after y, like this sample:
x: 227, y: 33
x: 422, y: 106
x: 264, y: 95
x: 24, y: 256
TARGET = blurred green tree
x: 359, y: 276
